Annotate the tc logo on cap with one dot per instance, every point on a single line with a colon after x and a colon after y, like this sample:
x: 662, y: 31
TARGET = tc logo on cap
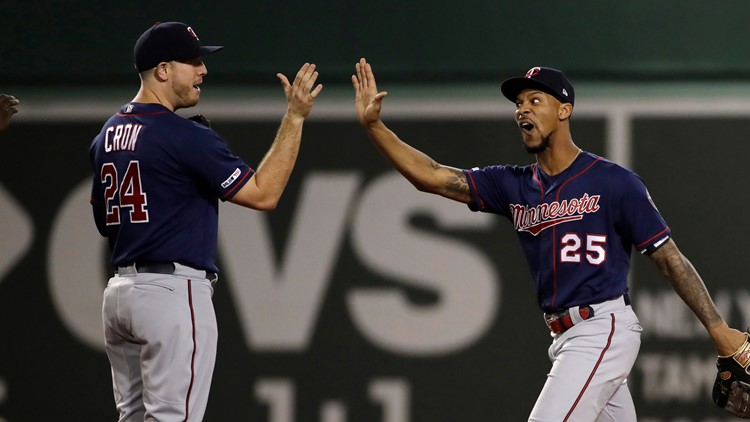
x: 549, y: 80
x: 192, y: 33
x: 532, y: 72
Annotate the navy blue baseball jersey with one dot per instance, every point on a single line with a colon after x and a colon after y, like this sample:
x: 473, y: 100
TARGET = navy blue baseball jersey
x: 577, y: 228
x: 157, y: 181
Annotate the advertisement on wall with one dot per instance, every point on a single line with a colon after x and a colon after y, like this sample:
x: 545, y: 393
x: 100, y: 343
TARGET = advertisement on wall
x: 359, y: 299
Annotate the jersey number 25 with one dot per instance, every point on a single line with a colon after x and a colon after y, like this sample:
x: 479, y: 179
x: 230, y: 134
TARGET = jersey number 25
x: 595, y: 252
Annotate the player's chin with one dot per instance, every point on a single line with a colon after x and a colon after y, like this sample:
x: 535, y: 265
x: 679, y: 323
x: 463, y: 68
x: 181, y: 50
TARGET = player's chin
x: 533, y: 144
x: 530, y: 139
x: 193, y: 99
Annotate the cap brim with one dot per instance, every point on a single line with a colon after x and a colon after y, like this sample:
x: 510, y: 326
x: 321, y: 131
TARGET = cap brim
x: 513, y: 86
x: 202, y: 51
x: 208, y: 49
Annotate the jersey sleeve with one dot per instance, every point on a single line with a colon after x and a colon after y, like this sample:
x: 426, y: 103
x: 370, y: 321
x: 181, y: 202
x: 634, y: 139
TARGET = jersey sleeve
x: 97, y: 207
x: 486, y: 186
x: 97, y: 196
x: 640, y: 217
x: 209, y: 157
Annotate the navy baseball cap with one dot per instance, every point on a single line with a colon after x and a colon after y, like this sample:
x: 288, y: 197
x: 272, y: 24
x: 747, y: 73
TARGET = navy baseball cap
x: 167, y: 41
x: 546, y: 79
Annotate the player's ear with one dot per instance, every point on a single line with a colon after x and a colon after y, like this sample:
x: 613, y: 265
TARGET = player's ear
x: 564, y: 111
x: 161, y: 71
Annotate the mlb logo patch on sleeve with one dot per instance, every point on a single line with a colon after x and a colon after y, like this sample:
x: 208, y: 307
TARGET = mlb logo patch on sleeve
x: 231, y: 178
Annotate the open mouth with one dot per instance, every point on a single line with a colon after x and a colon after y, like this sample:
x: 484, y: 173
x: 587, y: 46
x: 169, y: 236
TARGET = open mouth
x: 197, y: 87
x: 526, y: 127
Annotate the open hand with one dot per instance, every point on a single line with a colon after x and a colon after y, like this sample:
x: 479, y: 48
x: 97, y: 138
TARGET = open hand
x: 299, y: 96
x: 368, y: 100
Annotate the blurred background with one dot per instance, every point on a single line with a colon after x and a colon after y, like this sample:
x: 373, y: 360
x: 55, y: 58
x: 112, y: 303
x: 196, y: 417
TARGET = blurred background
x: 360, y: 299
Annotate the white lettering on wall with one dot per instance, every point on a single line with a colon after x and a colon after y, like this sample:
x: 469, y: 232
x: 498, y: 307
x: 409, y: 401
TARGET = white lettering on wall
x: 279, y: 304
x: 279, y: 395
x: 675, y: 377
x: 332, y: 411
x: 395, y: 397
x: 461, y: 275
x: 16, y: 231
x: 278, y: 299
x: 76, y: 271
x: 663, y: 310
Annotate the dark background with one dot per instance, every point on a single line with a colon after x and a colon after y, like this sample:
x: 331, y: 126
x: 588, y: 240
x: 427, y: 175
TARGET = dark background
x: 70, y: 64
x: 85, y: 42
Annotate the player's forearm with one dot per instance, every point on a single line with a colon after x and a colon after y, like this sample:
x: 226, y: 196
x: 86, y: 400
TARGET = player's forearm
x: 413, y: 164
x: 686, y: 282
x: 272, y: 175
x: 422, y: 171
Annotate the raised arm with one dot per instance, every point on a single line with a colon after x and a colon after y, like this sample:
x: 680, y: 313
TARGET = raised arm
x: 264, y: 189
x: 684, y: 279
x: 421, y: 170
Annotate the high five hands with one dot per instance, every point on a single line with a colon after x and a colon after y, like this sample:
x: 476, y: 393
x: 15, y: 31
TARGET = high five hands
x: 367, y: 98
x: 299, y: 96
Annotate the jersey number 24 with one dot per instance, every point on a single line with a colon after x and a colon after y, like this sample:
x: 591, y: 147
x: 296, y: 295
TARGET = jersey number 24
x: 127, y: 194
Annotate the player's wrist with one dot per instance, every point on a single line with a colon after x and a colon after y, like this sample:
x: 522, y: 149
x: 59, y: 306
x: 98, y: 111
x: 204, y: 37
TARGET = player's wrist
x: 293, y: 117
x: 374, y: 125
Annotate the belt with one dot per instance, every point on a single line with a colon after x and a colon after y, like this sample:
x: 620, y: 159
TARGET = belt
x: 168, y: 268
x: 560, y: 322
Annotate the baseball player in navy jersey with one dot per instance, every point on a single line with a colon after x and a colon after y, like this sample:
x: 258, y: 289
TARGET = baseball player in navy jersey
x: 577, y: 217
x: 157, y: 181
x: 8, y: 107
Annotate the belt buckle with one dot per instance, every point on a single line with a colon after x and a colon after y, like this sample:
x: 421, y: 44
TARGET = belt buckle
x: 553, y: 321
x: 554, y: 316
x: 557, y: 321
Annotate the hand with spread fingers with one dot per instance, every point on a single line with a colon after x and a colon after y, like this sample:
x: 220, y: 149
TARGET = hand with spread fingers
x: 367, y: 98
x: 300, y: 94
x: 8, y: 107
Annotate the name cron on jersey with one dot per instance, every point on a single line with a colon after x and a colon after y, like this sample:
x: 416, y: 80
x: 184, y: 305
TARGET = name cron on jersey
x: 543, y: 216
x: 121, y: 137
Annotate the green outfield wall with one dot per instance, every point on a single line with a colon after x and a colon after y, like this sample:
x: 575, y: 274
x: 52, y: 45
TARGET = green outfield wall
x: 86, y: 41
